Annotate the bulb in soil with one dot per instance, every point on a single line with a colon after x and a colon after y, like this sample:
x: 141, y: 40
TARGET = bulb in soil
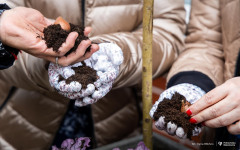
x: 185, y: 105
x: 63, y: 23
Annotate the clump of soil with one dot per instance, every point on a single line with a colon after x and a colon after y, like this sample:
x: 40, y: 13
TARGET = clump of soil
x: 83, y: 74
x: 171, y: 109
x: 55, y: 36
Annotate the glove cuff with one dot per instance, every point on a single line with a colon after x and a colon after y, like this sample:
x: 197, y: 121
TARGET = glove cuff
x: 203, y: 81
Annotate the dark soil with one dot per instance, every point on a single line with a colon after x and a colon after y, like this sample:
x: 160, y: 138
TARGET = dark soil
x: 171, y: 109
x: 83, y: 74
x: 54, y: 36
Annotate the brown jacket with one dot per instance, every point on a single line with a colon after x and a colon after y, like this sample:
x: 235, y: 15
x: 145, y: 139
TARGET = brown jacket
x: 213, y: 40
x: 32, y: 116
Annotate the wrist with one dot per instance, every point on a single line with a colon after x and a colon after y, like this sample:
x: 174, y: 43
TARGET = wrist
x: 3, y: 8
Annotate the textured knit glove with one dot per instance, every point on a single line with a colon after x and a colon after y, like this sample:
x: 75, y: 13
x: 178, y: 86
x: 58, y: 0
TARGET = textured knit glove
x: 105, y: 62
x: 191, y: 94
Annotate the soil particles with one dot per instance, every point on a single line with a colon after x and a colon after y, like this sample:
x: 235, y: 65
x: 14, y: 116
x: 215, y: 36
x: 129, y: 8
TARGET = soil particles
x: 171, y: 109
x: 55, y: 36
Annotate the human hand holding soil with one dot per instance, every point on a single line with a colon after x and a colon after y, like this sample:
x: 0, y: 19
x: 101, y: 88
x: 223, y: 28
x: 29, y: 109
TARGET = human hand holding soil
x: 220, y: 107
x: 22, y: 28
x: 88, y: 81
x: 169, y: 112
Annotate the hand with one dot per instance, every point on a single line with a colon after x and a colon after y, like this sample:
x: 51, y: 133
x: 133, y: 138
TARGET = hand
x: 106, y: 62
x: 189, y: 92
x: 20, y: 27
x: 219, y: 107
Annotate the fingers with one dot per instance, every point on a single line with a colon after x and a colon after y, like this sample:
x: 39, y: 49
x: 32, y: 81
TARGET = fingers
x: 66, y: 46
x: 80, y: 94
x: 85, y: 101
x: 207, y: 100
x: 171, y: 128
x: 78, y: 55
x: 72, y: 57
x: 215, y: 111
x: 108, y: 76
x: 81, y: 56
x: 102, y: 91
x: 160, y: 123
x: 87, y: 30
x: 94, y: 48
x: 223, y: 120
x: 234, y: 128
x: 70, y: 41
x: 180, y: 133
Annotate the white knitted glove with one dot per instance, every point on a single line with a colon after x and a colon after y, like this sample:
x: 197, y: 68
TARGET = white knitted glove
x: 105, y: 61
x: 192, y: 93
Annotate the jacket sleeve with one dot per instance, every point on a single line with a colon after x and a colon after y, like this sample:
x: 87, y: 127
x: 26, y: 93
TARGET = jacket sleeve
x: 7, y: 54
x: 203, y: 53
x: 168, y: 40
x: 13, y: 3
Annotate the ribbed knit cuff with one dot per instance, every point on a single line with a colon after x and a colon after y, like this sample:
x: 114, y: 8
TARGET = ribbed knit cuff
x: 193, y: 77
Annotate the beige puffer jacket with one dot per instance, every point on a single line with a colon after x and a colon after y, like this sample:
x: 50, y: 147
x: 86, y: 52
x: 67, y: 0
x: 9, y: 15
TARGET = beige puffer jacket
x: 212, y: 46
x: 33, y: 114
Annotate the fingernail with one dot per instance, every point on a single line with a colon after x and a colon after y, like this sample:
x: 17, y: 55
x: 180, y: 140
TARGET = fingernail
x: 189, y: 113
x: 193, y: 121
x: 203, y: 124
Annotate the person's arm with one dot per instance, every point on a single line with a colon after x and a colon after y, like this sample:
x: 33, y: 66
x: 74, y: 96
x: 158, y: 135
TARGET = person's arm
x: 199, y: 68
x: 14, y: 3
x: 168, y: 39
x: 20, y: 27
x: 201, y: 62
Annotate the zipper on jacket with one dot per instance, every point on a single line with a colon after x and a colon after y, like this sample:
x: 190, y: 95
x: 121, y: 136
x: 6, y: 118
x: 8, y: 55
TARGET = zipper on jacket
x: 83, y: 12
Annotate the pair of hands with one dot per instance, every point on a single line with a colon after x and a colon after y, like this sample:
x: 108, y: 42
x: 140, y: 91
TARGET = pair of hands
x: 20, y: 27
x: 218, y: 108
x: 106, y: 62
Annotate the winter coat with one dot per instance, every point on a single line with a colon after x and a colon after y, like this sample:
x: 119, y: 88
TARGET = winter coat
x: 213, y: 41
x: 34, y: 111
x: 211, y: 55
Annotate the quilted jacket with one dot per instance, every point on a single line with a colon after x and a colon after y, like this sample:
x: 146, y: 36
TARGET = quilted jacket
x: 213, y: 41
x: 34, y: 111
